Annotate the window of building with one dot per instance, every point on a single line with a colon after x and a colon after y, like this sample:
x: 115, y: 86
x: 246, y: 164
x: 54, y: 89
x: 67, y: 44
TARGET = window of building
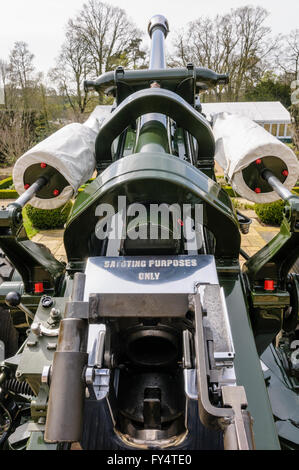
x: 281, y: 130
x: 267, y: 127
x: 274, y: 130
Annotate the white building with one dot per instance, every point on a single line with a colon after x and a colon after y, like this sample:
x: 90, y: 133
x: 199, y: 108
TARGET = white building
x: 272, y: 115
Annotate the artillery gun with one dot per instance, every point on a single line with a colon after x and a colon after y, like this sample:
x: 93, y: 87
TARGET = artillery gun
x: 151, y: 336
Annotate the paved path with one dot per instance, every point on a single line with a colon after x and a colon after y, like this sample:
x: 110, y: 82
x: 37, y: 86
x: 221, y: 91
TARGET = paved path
x: 53, y: 239
x: 258, y: 234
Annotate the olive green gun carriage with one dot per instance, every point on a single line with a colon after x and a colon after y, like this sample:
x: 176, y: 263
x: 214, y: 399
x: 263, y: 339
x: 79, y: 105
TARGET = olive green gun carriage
x: 162, y: 342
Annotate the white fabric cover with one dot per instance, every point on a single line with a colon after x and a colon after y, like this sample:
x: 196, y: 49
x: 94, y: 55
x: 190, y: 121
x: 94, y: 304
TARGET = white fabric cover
x: 97, y: 117
x: 71, y: 150
x: 239, y: 142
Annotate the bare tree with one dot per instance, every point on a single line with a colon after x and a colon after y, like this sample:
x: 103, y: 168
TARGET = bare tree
x: 72, y: 68
x: 210, y: 43
x: 21, y: 69
x: 134, y: 56
x: 287, y: 56
x: 254, y: 45
x: 287, y: 62
x: 3, y: 78
x: 236, y: 43
x: 16, y: 135
x: 105, y: 32
x: 98, y: 39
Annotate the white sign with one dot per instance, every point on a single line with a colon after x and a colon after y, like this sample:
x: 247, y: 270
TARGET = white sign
x: 2, y: 96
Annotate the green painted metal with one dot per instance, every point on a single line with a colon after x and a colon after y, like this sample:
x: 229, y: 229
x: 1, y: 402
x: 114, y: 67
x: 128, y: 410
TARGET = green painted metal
x: 247, y: 363
x: 160, y: 178
x: 154, y: 100
x: 37, y: 353
x: 152, y: 138
x: 36, y: 442
x: 34, y: 262
x: 283, y: 397
x: 267, y: 315
x: 274, y: 262
x: 279, y: 255
x: 186, y: 82
x: 257, y: 267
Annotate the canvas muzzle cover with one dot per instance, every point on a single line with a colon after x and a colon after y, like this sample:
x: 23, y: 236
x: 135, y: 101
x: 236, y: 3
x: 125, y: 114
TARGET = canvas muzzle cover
x: 71, y: 151
x: 239, y: 142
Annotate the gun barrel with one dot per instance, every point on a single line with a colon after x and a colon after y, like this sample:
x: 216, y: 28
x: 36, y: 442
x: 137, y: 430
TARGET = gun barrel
x: 154, y: 123
x: 158, y: 30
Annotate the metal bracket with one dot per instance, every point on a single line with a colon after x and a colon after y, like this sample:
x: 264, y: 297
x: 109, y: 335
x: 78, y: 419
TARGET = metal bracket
x: 235, y: 397
x: 39, y: 404
x: 98, y: 381
x: 227, y: 419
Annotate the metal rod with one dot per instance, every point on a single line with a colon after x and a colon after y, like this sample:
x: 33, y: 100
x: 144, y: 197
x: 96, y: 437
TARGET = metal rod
x: 78, y: 287
x: 67, y: 392
x: 244, y: 254
x: 158, y: 30
x: 277, y: 185
x: 27, y: 312
x: 31, y: 192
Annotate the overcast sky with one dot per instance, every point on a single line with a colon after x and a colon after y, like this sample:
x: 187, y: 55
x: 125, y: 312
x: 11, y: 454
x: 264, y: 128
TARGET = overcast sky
x: 41, y: 23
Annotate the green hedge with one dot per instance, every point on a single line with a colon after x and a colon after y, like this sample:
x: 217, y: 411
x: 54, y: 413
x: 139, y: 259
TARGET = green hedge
x: 6, y: 189
x: 8, y: 194
x: 6, y: 183
x: 271, y: 213
x: 48, y: 219
x: 230, y: 191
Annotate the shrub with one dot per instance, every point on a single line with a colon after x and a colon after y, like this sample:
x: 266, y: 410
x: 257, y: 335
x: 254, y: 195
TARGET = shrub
x: 8, y: 194
x: 49, y: 219
x: 271, y: 213
x: 241, y: 205
x: 6, y: 183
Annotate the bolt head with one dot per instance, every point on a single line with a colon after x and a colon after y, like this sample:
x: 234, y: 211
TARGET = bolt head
x: 35, y: 328
x: 55, y: 313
